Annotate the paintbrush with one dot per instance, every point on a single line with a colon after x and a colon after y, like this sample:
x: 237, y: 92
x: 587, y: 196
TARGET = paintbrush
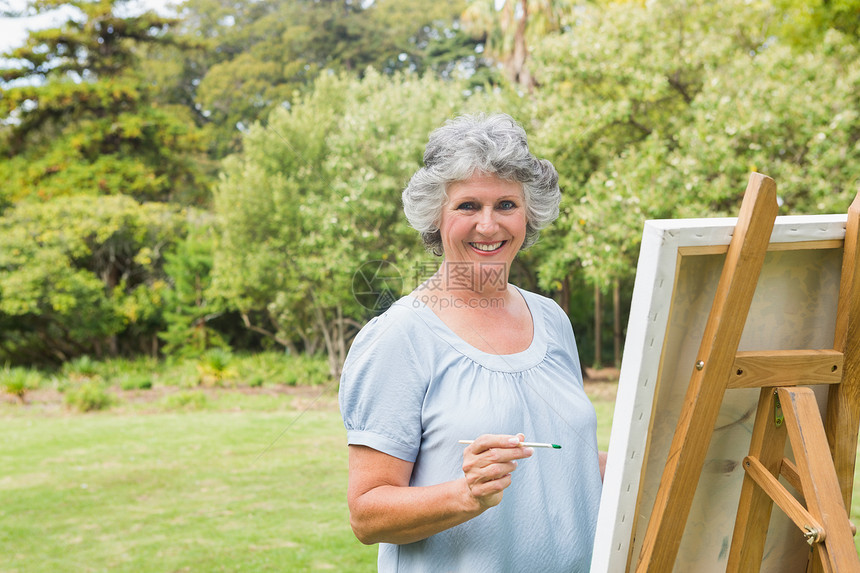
x: 525, y: 444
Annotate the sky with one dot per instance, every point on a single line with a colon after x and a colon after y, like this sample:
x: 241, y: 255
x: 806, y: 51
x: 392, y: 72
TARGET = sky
x: 13, y: 31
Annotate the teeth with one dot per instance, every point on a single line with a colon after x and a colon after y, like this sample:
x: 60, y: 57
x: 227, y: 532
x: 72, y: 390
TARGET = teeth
x: 487, y: 246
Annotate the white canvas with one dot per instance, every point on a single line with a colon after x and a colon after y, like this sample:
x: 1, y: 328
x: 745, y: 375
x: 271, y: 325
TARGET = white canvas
x: 794, y: 307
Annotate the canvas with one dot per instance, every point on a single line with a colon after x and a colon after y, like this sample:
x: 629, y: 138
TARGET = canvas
x: 794, y: 307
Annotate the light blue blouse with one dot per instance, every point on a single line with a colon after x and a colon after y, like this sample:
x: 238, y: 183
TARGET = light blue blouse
x: 411, y: 388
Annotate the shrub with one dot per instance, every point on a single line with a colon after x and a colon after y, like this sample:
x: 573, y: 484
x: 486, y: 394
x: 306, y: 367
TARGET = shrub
x: 89, y: 396
x: 82, y: 368
x: 18, y: 381
x: 136, y: 382
x: 215, y: 368
x: 307, y: 370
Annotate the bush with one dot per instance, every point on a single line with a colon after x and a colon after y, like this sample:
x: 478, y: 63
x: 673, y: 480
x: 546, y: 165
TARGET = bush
x: 89, y: 396
x: 307, y: 371
x: 18, y: 381
x: 279, y: 368
x: 215, y: 368
x: 83, y: 368
x: 136, y: 382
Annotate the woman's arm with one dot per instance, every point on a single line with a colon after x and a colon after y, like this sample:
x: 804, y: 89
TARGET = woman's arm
x: 384, y: 508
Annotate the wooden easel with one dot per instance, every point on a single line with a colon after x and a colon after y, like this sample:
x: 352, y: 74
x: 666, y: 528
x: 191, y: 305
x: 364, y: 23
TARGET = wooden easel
x: 825, y: 452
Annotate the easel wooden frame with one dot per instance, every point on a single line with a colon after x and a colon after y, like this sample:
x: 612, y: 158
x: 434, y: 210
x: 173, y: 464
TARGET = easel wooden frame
x: 718, y: 366
x: 711, y: 377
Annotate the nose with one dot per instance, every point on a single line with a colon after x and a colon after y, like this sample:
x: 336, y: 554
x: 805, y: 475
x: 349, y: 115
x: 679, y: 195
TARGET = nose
x: 487, y: 224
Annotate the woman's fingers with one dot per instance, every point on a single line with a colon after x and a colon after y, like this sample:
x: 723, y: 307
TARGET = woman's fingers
x: 488, y: 463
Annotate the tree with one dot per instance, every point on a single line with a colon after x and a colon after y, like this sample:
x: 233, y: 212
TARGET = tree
x: 190, y: 309
x: 261, y: 55
x: 77, y: 117
x: 507, y: 28
x: 804, y: 23
x: 661, y: 111
x: 623, y: 81
x: 792, y: 116
x: 79, y: 273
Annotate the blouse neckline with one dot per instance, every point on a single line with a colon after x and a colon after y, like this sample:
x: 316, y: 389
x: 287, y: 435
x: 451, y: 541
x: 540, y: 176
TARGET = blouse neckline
x: 516, y: 362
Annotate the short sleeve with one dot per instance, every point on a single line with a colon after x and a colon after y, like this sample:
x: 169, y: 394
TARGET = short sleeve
x: 383, y: 385
x: 560, y: 331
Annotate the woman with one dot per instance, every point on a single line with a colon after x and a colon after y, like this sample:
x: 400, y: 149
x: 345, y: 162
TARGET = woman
x: 468, y: 356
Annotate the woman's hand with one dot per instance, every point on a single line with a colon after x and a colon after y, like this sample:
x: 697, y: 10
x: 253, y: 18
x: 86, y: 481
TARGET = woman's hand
x: 488, y: 463
x: 383, y: 506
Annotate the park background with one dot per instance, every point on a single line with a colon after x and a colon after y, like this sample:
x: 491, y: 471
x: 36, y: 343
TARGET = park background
x: 199, y: 208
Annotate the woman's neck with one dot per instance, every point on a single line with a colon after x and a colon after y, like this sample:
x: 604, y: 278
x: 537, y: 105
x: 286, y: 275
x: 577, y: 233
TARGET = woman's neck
x: 473, y: 279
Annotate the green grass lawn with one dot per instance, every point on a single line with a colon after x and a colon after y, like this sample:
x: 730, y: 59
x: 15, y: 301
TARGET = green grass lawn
x: 258, y: 487
x: 231, y: 481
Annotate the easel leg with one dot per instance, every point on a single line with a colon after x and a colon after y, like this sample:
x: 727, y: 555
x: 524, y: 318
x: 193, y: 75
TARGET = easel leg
x: 818, y: 479
x: 792, y: 413
x: 815, y: 565
x: 754, y: 509
x: 843, y: 405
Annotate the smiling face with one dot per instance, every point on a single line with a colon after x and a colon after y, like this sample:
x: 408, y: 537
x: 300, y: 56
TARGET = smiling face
x: 484, y: 220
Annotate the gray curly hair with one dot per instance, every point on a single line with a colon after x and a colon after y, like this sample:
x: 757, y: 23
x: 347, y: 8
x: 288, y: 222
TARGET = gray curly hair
x: 489, y: 144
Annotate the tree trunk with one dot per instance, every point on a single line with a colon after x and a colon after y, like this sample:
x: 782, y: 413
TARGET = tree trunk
x: 285, y: 342
x: 332, y: 332
x: 110, y: 278
x: 598, y: 328
x: 517, y: 63
x: 616, y: 310
x: 565, y: 295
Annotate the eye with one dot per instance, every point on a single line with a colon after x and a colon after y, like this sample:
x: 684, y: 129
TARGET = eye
x: 466, y: 206
x: 507, y: 205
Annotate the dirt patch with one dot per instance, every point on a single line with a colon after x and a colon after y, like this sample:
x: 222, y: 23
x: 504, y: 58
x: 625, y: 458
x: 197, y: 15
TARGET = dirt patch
x: 601, y: 374
x: 601, y: 383
x: 304, y: 397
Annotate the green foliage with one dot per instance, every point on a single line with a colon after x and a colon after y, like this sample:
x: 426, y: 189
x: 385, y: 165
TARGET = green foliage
x: 304, y: 370
x: 97, y: 39
x: 661, y: 110
x: 18, y: 381
x: 647, y: 109
x: 81, y: 368
x: 216, y: 369
x: 82, y: 119
x: 189, y: 305
x: 89, y: 396
x: 71, y: 274
x: 272, y: 368
x: 260, y: 55
x: 794, y: 117
x: 136, y: 382
x: 805, y: 23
